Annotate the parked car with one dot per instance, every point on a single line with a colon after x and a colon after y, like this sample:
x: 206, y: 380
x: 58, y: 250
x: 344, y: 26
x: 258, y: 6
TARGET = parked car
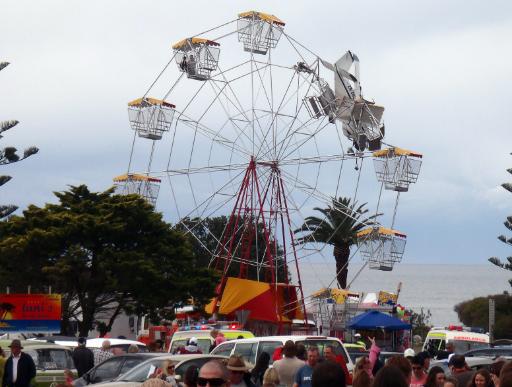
x: 474, y: 363
x: 95, y: 343
x: 250, y: 349
x: 51, y: 360
x: 111, y: 368
x: 493, y: 352
x: 139, y: 374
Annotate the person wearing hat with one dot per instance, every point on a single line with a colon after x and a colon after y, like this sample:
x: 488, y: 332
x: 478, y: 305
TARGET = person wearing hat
x: 190, y: 348
x: 359, y: 340
x: 19, y: 368
x: 409, y: 353
x: 83, y: 357
x: 239, y: 375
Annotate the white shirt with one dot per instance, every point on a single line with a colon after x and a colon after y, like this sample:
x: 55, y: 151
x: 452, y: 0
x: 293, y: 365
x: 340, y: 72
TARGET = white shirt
x: 15, y: 360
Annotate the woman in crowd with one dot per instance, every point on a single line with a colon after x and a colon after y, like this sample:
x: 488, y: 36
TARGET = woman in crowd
x: 435, y: 377
x: 362, y: 373
x: 450, y: 381
x: 390, y: 376
x: 481, y: 378
x: 271, y: 378
x: 259, y: 369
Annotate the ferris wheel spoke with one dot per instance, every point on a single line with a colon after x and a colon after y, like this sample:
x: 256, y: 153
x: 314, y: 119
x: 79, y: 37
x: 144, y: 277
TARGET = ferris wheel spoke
x: 307, y: 138
x: 303, y: 186
x: 214, y: 136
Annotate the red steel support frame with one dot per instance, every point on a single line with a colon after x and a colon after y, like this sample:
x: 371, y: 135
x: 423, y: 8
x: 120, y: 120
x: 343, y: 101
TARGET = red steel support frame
x: 248, y: 212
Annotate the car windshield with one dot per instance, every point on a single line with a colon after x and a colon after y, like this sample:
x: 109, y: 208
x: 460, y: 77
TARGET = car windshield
x: 321, y: 344
x: 203, y: 343
x: 51, y: 358
x: 464, y: 346
x: 143, y: 371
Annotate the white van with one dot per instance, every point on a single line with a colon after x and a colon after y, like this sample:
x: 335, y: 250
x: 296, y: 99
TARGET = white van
x: 250, y: 349
x: 462, y: 339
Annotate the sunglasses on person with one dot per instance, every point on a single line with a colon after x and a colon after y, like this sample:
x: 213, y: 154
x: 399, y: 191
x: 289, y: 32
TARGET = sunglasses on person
x: 213, y: 382
x: 417, y: 367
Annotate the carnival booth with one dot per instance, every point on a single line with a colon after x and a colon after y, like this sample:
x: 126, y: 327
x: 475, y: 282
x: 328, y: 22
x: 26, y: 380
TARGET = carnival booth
x: 387, y: 330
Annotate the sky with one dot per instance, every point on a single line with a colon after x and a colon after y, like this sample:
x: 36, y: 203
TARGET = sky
x: 441, y: 69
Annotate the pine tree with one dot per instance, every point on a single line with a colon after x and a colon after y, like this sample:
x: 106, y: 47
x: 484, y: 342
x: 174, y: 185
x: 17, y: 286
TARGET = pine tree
x: 508, y: 241
x: 9, y: 155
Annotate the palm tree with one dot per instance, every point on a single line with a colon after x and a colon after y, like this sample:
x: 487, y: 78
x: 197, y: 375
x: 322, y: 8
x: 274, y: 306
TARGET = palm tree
x: 341, y: 222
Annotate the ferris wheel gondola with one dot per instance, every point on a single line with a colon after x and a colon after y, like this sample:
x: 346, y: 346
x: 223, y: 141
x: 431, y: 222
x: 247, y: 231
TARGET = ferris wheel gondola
x: 150, y: 117
x: 397, y: 168
x: 197, y: 57
x: 381, y: 247
x: 259, y: 31
x: 144, y: 186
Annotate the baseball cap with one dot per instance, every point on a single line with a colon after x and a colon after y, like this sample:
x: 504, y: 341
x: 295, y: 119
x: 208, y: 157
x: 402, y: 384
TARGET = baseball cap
x: 409, y: 352
x: 192, y: 341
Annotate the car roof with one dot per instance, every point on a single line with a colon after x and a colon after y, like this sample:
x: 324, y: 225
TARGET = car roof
x: 202, y: 333
x: 91, y: 343
x: 283, y: 339
x: 26, y: 344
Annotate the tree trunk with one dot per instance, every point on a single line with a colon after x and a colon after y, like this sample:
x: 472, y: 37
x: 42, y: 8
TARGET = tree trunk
x: 341, y: 256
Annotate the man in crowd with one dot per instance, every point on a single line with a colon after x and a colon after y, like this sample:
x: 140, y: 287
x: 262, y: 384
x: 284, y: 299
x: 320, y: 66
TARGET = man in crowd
x: 425, y: 358
x: 450, y: 348
x: 304, y: 374
x: 419, y: 376
x: 460, y: 369
x: 239, y: 375
x: 104, y: 353
x: 19, y: 367
x: 328, y: 374
x: 288, y: 366
x: 83, y: 357
x: 330, y: 355
x: 409, y: 354
x: 213, y: 373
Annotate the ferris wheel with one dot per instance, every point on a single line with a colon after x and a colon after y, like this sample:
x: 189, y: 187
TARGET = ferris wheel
x: 245, y: 121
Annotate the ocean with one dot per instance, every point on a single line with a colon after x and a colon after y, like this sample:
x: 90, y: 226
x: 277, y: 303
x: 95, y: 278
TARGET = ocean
x: 437, y: 288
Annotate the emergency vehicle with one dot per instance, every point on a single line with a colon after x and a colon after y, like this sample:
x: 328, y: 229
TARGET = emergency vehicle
x: 462, y: 338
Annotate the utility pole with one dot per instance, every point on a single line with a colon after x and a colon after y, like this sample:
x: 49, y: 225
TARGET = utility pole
x: 492, y: 318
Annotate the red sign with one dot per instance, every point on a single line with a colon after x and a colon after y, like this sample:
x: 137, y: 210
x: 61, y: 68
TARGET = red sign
x: 30, y: 307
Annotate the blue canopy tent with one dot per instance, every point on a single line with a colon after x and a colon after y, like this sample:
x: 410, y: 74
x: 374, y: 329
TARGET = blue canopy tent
x: 376, y: 320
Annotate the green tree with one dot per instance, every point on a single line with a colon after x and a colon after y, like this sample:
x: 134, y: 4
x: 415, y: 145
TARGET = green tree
x: 341, y: 222
x: 104, y: 253
x: 420, y: 322
x: 508, y: 241
x: 206, y: 234
x: 475, y: 313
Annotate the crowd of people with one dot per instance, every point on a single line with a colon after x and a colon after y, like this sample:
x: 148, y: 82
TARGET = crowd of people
x: 294, y: 366
x: 413, y: 370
